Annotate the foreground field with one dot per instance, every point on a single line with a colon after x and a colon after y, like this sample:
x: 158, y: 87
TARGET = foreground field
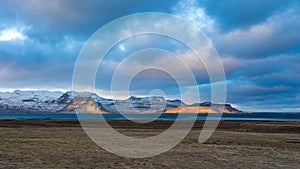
x: 235, y: 144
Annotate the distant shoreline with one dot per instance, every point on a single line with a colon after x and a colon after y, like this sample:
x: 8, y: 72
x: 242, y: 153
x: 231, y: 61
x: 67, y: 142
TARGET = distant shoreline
x: 163, y: 117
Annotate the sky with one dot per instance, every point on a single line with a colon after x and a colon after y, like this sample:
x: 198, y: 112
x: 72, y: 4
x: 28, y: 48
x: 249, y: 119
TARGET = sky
x: 258, y: 43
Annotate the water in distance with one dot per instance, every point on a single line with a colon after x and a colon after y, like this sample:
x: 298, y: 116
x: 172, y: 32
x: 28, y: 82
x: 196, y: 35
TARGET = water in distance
x: 246, y: 116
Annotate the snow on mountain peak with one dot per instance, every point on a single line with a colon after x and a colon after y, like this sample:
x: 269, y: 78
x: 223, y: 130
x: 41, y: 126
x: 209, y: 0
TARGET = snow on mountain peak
x: 53, y: 102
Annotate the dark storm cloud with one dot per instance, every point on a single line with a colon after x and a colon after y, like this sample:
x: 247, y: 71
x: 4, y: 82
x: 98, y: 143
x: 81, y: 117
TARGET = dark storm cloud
x: 73, y: 16
x: 278, y: 34
x: 262, y: 66
x: 233, y: 14
x: 263, y: 98
x: 269, y: 83
x: 262, y: 80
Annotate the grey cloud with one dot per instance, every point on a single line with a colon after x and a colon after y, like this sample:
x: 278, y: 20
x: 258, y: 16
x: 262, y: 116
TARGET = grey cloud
x: 233, y: 14
x: 73, y: 16
x: 277, y: 35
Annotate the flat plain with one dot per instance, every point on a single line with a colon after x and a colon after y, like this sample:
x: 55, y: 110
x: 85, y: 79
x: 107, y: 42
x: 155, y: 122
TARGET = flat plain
x: 235, y: 144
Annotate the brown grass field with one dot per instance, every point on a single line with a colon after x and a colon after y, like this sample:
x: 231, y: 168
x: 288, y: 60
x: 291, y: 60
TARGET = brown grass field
x: 235, y: 144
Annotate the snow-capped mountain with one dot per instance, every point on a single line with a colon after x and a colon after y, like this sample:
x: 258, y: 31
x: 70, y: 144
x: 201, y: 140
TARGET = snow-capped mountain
x: 29, y: 101
x: 59, y: 102
x: 136, y: 105
x: 86, y: 102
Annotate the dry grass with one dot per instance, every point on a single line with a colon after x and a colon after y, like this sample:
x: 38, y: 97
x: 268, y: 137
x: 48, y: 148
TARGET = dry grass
x: 63, y: 144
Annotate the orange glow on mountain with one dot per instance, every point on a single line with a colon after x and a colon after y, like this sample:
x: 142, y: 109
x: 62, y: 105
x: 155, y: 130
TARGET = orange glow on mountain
x: 195, y: 109
x: 84, y: 105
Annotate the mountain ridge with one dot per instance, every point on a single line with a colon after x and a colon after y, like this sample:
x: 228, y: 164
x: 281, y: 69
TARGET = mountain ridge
x: 43, y: 101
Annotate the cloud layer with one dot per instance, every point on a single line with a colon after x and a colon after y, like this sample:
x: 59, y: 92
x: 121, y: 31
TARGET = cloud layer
x: 258, y: 43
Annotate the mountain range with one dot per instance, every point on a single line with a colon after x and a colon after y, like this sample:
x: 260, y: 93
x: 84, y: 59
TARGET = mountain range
x: 19, y: 102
